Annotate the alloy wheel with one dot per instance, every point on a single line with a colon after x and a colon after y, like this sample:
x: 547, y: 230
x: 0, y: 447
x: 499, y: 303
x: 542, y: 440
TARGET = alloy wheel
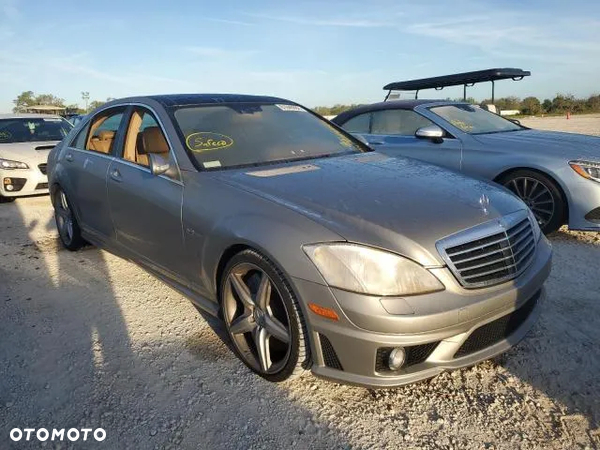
x: 257, y: 318
x: 64, y: 218
x: 536, y: 196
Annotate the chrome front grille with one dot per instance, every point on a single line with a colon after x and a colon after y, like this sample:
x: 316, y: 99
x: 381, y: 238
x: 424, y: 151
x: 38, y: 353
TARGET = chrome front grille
x: 490, y: 253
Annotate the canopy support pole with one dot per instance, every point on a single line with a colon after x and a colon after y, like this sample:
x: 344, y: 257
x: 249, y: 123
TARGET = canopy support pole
x: 417, y: 94
x: 464, y: 93
x: 493, y: 92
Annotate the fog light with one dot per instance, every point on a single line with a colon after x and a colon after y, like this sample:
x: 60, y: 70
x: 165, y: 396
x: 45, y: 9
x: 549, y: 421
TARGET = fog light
x: 396, y: 358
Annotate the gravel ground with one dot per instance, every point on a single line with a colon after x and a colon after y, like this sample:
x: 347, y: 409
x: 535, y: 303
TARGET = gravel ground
x: 89, y: 340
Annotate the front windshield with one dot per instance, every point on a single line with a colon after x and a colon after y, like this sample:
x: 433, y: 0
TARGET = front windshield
x: 474, y: 120
x: 33, y: 129
x: 241, y: 134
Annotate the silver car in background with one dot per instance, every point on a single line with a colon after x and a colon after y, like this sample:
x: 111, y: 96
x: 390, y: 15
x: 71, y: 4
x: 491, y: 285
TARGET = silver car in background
x: 316, y: 252
x: 556, y: 174
x: 25, y: 142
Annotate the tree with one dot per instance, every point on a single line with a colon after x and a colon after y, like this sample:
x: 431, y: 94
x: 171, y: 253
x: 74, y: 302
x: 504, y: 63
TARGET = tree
x: 49, y: 99
x: 563, y: 103
x: 531, y: 106
x: 85, y: 96
x: 508, y: 103
x: 547, y: 105
x: 95, y: 104
x: 23, y: 100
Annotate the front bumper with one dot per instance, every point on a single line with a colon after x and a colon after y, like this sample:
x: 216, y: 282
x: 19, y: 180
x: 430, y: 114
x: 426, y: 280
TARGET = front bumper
x: 440, y: 331
x: 583, y: 197
x: 24, y: 182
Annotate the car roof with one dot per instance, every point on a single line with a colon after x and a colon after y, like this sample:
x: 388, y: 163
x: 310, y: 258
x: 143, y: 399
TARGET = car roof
x: 390, y: 104
x: 171, y: 100
x: 28, y: 116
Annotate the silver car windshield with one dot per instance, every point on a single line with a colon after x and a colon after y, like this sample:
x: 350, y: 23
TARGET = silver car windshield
x: 33, y: 129
x: 474, y: 120
x: 242, y: 134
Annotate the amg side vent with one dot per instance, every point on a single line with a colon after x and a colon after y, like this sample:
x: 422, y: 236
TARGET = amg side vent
x: 329, y: 355
x: 493, y: 332
x: 490, y: 253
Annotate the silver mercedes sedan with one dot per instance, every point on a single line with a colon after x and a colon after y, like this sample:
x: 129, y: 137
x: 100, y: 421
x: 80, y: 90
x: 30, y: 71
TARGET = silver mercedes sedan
x: 317, y: 253
x: 556, y: 174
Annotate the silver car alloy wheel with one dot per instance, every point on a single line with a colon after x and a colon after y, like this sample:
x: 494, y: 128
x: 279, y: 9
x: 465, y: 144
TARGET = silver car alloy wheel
x: 536, y: 196
x: 64, y: 218
x: 257, y: 318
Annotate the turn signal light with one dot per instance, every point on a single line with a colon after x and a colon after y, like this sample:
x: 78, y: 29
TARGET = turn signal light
x: 323, y: 312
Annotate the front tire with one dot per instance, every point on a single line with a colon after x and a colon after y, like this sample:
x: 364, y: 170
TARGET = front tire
x: 66, y: 222
x: 541, y: 195
x: 6, y: 199
x: 262, y: 317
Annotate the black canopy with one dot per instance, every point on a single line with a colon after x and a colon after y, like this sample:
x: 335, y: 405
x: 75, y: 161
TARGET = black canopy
x: 465, y: 79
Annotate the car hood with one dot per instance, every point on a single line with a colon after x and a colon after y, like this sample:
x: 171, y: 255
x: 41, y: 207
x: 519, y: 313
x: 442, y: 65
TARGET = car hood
x: 399, y: 204
x: 31, y: 153
x: 567, y: 145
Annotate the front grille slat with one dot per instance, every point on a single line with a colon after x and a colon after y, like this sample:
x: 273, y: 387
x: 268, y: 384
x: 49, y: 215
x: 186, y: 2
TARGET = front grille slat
x: 487, y: 263
x: 476, y: 247
x: 500, y: 252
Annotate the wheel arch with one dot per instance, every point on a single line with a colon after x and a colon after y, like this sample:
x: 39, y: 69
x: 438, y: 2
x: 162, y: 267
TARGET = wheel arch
x: 552, y: 178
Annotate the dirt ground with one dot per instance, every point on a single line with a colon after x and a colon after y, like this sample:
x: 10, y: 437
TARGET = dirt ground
x: 585, y: 123
x: 89, y: 340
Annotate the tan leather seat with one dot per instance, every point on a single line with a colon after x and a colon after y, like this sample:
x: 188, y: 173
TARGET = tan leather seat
x: 151, y: 140
x: 103, y: 141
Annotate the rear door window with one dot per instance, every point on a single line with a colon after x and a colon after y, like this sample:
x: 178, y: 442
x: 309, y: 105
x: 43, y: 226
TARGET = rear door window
x: 398, y: 122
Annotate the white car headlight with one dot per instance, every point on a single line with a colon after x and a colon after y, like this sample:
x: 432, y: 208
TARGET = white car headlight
x: 587, y: 169
x: 10, y: 164
x: 370, y: 271
x: 537, y: 232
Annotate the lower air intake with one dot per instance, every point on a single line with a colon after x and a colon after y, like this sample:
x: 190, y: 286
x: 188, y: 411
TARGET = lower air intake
x: 329, y: 356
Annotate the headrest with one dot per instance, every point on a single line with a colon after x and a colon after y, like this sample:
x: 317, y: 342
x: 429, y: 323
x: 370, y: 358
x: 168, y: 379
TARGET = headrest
x: 106, y: 135
x: 153, y: 141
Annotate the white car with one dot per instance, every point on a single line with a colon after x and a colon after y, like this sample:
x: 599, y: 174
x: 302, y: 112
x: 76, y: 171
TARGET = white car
x: 25, y: 141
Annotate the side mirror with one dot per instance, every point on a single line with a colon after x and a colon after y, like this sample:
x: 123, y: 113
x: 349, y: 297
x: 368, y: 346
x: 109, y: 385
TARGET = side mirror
x: 433, y: 132
x: 158, y: 164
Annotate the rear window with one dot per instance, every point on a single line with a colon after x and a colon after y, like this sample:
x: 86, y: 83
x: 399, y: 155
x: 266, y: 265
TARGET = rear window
x: 221, y: 136
x: 33, y: 130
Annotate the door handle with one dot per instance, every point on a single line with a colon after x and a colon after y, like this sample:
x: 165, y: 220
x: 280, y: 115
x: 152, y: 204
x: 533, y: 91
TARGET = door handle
x: 115, y: 175
x: 69, y: 157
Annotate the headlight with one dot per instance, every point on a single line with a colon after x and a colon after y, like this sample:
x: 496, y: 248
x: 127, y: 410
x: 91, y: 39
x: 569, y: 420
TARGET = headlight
x: 367, y: 270
x: 587, y: 169
x: 9, y: 164
x: 537, y: 232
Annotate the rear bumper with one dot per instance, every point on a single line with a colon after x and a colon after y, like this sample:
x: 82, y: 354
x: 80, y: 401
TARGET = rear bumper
x: 26, y: 182
x: 438, y: 330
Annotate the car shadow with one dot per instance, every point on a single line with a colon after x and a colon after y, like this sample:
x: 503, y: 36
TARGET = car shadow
x: 87, y: 341
x: 560, y: 356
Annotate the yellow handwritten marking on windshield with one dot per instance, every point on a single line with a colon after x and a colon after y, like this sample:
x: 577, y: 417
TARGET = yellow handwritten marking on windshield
x: 5, y: 135
x: 207, y: 140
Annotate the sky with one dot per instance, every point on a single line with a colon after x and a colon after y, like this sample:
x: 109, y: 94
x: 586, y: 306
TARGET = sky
x: 316, y: 53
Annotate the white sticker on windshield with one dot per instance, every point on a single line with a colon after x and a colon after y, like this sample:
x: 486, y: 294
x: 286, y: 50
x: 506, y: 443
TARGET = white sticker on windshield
x: 291, y: 108
x: 211, y: 164
x: 52, y: 119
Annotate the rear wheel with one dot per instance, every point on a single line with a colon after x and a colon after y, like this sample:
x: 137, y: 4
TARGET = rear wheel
x: 541, y: 195
x: 262, y: 317
x: 66, y: 223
